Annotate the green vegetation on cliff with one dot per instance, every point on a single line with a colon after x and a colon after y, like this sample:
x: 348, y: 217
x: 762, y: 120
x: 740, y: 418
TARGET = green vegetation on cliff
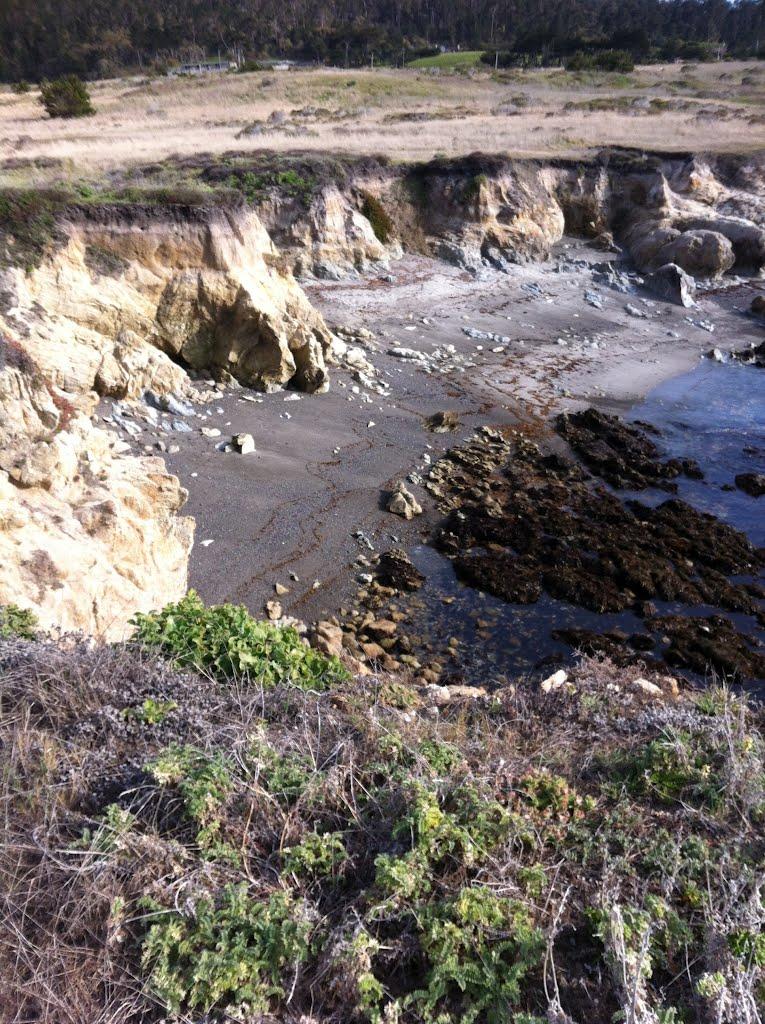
x: 231, y: 845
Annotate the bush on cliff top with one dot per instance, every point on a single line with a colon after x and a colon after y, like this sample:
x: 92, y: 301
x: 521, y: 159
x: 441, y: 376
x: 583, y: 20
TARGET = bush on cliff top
x: 226, y: 641
x: 66, y: 97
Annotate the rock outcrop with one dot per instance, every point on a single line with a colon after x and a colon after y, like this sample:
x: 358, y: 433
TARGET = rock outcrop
x: 87, y: 536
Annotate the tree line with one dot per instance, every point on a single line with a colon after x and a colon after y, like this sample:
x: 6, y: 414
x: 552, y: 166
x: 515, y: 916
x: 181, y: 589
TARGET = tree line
x: 45, y: 38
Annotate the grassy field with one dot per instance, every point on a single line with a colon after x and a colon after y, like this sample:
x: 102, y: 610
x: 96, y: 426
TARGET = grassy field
x: 407, y: 114
x: 450, y: 61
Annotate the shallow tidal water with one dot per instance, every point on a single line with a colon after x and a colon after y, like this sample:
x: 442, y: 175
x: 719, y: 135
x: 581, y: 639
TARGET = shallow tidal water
x: 714, y: 414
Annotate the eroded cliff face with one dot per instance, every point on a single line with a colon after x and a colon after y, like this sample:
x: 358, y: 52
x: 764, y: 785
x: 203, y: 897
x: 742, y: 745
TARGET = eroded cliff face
x: 704, y: 215
x: 124, y: 301
x: 133, y: 294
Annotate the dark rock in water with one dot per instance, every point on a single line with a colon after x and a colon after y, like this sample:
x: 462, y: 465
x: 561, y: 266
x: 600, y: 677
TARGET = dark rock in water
x: 713, y: 642
x: 671, y: 282
x: 751, y: 483
x: 620, y: 452
x: 502, y: 574
x: 396, y: 570
x: 758, y: 305
x: 621, y: 648
x: 752, y: 356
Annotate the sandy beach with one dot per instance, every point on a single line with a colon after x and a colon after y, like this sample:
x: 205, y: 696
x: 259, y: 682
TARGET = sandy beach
x: 324, y: 463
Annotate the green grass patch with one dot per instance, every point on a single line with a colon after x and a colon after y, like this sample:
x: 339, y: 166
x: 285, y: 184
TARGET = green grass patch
x: 458, y: 61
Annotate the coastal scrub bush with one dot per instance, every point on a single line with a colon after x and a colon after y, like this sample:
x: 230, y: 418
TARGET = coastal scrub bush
x: 66, y: 97
x: 316, y: 857
x: 203, y: 781
x: 676, y: 766
x: 236, y: 951
x: 255, y: 187
x: 21, y: 87
x: 225, y: 641
x: 15, y: 621
x: 604, y: 60
x: 27, y: 224
x: 480, y: 947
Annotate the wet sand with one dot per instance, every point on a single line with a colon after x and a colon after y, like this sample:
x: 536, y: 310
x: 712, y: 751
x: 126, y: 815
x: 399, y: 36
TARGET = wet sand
x: 320, y: 472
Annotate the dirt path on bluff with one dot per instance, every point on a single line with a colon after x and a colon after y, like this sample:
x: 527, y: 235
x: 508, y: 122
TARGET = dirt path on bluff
x: 321, y: 470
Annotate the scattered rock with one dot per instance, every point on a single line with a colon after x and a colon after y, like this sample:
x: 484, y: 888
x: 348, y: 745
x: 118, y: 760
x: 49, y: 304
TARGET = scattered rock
x: 758, y: 305
x: 648, y: 688
x: 328, y: 638
x: 554, y: 682
x: 640, y: 314
x: 442, y: 422
x: 403, y: 503
x: 243, y: 443
x: 752, y: 356
x: 381, y: 628
x: 395, y: 570
x: 273, y: 610
x: 280, y: 590
x: 442, y: 696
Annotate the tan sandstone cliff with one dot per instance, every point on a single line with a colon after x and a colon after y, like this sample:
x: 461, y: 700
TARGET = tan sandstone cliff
x: 121, y: 303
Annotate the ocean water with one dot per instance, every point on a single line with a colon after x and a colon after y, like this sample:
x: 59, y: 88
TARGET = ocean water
x: 716, y: 415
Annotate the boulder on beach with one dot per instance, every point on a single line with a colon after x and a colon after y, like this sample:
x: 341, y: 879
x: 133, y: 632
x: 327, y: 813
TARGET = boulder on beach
x: 673, y: 283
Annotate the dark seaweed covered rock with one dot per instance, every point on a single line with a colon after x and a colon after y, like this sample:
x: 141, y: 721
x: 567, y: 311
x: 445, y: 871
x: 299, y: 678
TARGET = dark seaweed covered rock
x: 540, y: 524
x: 621, y: 453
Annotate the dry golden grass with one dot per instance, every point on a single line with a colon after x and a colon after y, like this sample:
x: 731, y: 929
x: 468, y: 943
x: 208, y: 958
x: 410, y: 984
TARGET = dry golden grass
x: 717, y: 107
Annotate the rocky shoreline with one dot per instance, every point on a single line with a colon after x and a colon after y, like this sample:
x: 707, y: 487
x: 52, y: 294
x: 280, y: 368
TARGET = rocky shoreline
x: 171, y: 311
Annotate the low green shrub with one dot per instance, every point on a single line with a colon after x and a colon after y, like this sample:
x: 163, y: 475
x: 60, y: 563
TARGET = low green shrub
x: 479, y: 947
x: 284, y: 776
x: 255, y: 187
x: 27, y: 224
x: 237, y: 951
x: 15, y: 621
x: 225, y: 641
x: 678, y: 766
x: 66, y: 97
x: 20, y: 88
x: 151, y: 712
x: 203, y: 780
x: 317, y: 857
